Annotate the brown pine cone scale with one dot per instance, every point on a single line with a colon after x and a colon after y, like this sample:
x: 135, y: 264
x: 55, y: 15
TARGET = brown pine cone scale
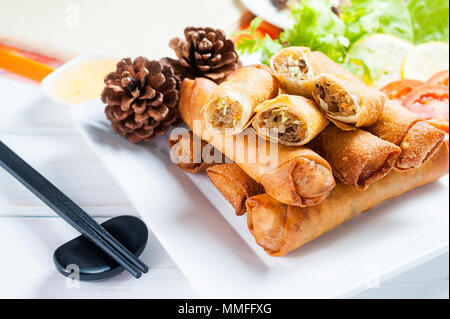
x: 142, y: 98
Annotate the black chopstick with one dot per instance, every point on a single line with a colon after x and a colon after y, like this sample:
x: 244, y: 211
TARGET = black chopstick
x: 69, y: 211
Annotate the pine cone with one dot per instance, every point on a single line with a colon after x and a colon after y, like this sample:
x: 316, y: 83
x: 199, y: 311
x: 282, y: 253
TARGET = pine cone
x: 142, y: 98
x: 205, y: 52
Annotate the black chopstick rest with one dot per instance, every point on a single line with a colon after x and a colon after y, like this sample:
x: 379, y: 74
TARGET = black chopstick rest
x: 80, y: 259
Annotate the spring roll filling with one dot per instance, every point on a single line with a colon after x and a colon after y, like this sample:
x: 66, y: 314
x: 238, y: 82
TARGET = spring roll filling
x: 336, y: 101
x: 282, y: 124
x: 227, y: 113
x: 294, y: 68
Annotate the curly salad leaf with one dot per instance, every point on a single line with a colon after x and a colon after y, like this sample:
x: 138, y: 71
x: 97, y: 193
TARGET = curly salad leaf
x: 429, y: 20
x: 318, y: 28
x: 250, y: 43
x: 365, y: 17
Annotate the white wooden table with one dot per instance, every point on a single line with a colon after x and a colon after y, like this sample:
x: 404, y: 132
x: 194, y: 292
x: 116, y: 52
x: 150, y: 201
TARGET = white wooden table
x: 42, y: 133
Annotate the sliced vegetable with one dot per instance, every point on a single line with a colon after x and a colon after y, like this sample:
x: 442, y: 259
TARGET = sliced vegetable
x: 426, y: 60
x: 267, y: 28
x: 255, y: 38
x: 257, y: 29
x: 377, y: 59
x: 429, y: 101
x: 440, y: 78
x: 397, y: 90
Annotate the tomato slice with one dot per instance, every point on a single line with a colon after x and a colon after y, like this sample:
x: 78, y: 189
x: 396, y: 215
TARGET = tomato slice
x: 397, y: 90
x: 260, y: 33
x: 429, y: 101
x: 271, y: 30
x: 440, y: 78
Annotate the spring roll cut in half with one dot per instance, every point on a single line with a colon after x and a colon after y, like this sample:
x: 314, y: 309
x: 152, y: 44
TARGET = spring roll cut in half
x: 296, y: 69
x: 189, y: 156
x: 293, y: 175
x: 348, y: 103
x: 281, y: 228
x: 234, y: 184
x: 358, y: 158
x: 418, y: 139
x: 292, y: 68
x: 231, y: 106
x: 289, y: 119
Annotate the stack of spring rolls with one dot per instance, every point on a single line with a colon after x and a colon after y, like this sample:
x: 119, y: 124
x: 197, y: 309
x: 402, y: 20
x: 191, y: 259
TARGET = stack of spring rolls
x: 310, y: 146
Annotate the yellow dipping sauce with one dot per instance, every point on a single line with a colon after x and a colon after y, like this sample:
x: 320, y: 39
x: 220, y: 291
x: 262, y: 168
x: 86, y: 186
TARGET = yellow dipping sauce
x: 82, y: 81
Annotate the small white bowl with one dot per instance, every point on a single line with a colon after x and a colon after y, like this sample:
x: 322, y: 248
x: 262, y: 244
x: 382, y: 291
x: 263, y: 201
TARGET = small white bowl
x: 58, y: 75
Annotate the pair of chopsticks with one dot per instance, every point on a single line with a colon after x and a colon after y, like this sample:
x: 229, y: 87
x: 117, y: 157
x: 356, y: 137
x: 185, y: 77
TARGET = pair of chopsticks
x: 69, y: 211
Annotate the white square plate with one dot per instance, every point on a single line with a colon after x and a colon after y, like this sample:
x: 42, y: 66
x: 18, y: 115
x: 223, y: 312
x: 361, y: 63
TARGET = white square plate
x: 216, y: 252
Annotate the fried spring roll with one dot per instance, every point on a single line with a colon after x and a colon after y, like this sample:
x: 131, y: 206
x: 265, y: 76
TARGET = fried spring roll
x: 296, y: 69
x: 418, y: 139
x: 348, y: 103
x: 344, y: 99
x: 183, y: 152
x: 231, y: 106
x: 293, y: 175
x: 358, y: 158
x: 289, y: 119
x: 234, y: 184
x: 281, y: 228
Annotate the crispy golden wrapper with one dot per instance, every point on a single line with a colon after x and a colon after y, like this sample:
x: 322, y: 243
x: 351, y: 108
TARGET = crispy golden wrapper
x: 418, y: 139
x: 280, y: 228
x: 348, y: 103
x: 292, y: 175
x: 343, y: 98
x: 289, y: 119
x: 234, y: 184
x: 296, y: 69
x: 358, y: 158
x: 232, y: 104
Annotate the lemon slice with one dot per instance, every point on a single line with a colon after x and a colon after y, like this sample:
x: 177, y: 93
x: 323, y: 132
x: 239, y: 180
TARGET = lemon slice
x: 426, y: 60
x: 377, y: 59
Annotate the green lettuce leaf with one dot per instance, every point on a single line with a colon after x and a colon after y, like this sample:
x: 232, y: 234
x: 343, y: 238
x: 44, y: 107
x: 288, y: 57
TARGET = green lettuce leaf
x: 269, y: 48
x: 430, y: 20
x: 248, y: 42
x: 251, y: 44
x: 365, y: 17
x: 318, y: 28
